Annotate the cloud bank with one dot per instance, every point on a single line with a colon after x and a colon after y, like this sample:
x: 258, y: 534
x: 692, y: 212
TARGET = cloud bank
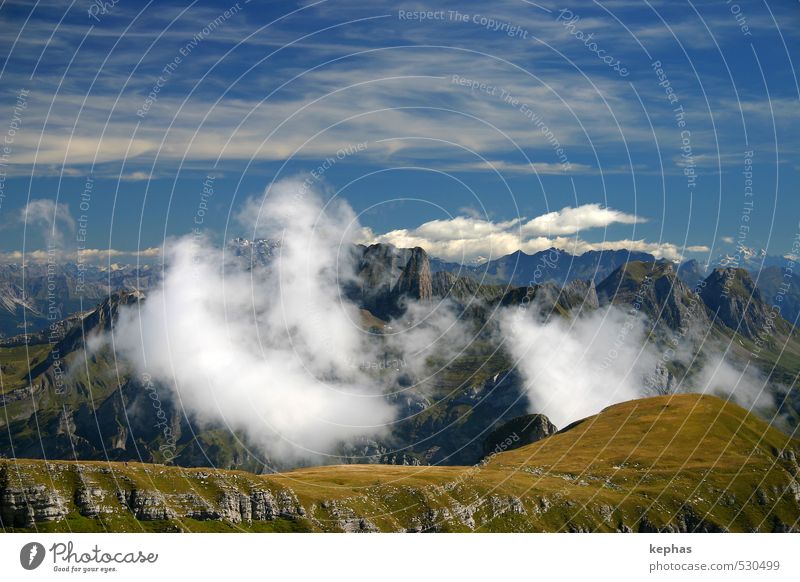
x: 266, y: 352
x: 574, y: 368
x: 475, y: 239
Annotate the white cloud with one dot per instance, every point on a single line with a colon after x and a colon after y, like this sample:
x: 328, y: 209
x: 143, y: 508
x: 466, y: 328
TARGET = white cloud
x: 574, y: 369
x: 573, y: 220
x: 135, y: 176
x: 266, y: 352
x: 96, y: 256
x: 51, y: 217
x: 469, y: 238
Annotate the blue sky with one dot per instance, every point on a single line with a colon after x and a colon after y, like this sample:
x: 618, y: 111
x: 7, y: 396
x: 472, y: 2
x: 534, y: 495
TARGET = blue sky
x: 506, y: 125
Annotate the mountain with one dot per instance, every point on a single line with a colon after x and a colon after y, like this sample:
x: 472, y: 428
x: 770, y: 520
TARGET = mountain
x: 732, y: 295
x: 258, y: 252
x: 781, y: 287
x: 518, y: 432
x: 683, y: 463
x: 692, y: 273
x: 550, y: 266
x: 387, y: 276
x: 750, y: 259
x: 415, y: 281
x: 90, y: 406
x: 655, y: 290
x: 36, y: 295
x: 60, y: 401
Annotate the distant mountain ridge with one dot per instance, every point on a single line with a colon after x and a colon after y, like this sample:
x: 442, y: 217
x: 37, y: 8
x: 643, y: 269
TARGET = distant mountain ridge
x: 480, y: 391
x: 23, y: 296
x: 33, y: 296
x: 548, y: 266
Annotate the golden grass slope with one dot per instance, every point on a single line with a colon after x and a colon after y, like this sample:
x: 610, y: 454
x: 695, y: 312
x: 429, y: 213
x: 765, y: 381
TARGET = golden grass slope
x: 670, y: 463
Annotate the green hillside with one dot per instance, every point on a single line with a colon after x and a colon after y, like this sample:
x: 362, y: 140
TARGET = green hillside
x: 679, y: 463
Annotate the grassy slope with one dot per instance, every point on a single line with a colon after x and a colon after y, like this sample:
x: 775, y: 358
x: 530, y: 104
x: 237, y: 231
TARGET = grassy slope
x: 684, y: 462
x: 16, y: 363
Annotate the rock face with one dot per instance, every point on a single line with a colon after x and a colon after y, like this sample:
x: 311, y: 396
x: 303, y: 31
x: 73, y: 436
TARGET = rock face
x: 518, y: 432
x: 548, y: 266
x: 655, y: 290
x: 388, y: 276
x: 146, y: 505
x: 733, y: 296
x: 237, y: 507
x: 87, y: 500
x: 416, y: 280
x: 23, y: 505
x: 464, y: 289
x: 26, y: 506
x: 346, y: 519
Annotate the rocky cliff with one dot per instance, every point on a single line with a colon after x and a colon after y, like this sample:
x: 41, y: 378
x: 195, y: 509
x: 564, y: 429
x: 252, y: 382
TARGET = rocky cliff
x: 732, y: 295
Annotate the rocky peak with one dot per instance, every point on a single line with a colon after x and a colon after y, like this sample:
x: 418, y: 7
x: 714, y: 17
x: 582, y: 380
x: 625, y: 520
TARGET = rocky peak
x: 655, y: 290
x: 416, y: 280
x: 518, y: 432
x: 100, y: 319
x: 731, y: 293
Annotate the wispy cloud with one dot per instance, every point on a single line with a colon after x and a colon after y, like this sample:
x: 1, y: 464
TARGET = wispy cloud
x: 51, y: 218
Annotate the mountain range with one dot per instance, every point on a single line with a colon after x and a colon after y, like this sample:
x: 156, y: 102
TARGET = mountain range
x: 62, y: 402
x: 25, y: 302
x: 91, y: 413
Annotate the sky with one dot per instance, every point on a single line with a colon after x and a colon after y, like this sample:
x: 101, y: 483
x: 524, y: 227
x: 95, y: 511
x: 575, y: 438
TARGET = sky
x: 469, y: 128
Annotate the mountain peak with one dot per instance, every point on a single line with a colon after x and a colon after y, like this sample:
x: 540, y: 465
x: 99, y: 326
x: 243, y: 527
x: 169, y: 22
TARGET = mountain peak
x: 731, y: 293
x: 416, y: 280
